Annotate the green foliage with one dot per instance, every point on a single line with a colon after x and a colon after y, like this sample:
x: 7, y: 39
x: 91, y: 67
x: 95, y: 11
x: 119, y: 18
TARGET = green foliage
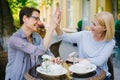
x: 117, y: 25
x: 49, y: 2
x: 118, y: 8
x: 31, y: 3
x: 79, y: 24
x: 16, y: 5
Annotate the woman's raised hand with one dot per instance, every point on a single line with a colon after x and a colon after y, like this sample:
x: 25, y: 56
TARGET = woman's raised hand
x: 55, y: 18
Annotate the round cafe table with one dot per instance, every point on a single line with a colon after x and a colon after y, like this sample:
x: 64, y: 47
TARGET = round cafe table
x: 32, y: 74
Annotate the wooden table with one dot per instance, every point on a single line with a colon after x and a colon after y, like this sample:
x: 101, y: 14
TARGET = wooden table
x: 99, y: 74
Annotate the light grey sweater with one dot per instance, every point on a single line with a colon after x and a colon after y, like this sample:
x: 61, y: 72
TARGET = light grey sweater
x: 97, y: 52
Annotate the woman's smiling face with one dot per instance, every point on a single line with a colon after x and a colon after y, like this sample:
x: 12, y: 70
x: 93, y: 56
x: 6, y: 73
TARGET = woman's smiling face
x: 32, y: 22
x: 96, y: 28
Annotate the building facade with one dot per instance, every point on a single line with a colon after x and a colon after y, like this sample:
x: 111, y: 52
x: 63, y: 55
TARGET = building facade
x: 75, y: 10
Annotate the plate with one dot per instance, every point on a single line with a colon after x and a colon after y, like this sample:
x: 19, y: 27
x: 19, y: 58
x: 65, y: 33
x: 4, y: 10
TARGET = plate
x: 81, y: 69
x: 61, y: 72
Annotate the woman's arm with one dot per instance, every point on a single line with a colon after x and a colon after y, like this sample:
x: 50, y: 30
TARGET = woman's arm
x: 103, y: 55
x: 22, y: 45
x: 55, y: 21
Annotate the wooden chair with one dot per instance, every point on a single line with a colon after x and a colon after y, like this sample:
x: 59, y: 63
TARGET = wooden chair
x: 54, y: 48
x: 3, y: 63
x: 110, y: 67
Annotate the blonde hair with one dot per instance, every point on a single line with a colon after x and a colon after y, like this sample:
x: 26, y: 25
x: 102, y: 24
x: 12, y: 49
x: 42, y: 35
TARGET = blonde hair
x: 106, y: 20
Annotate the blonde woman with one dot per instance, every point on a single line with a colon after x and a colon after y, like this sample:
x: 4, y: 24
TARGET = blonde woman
x: 96, y: 45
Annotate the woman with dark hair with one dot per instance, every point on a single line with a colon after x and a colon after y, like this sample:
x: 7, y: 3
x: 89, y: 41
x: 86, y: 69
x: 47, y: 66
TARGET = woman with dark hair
x: 25, y: 45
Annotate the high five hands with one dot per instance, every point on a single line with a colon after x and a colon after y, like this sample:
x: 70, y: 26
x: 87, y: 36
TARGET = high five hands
x: 55, y: 18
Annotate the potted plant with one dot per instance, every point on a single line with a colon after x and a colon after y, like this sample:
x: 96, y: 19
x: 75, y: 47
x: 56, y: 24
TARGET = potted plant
x: 79, y: 24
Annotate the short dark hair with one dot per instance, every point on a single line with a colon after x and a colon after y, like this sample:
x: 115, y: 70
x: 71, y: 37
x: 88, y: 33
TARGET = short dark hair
x: 26, y: 11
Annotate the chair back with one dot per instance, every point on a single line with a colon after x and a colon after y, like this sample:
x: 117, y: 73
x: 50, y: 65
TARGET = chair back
x: 3, y: 63
x: 54, y: 48
x: 110, y: 67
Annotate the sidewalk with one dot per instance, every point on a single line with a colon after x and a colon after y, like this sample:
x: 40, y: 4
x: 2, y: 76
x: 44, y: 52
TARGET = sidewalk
x: 66, y: 48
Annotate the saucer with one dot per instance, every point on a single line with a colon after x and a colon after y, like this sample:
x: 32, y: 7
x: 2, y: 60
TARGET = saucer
x: 42, y: 71
x: 81, y: 69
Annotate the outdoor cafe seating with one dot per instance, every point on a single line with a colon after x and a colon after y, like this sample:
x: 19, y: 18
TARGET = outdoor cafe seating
x: 99, y: 74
